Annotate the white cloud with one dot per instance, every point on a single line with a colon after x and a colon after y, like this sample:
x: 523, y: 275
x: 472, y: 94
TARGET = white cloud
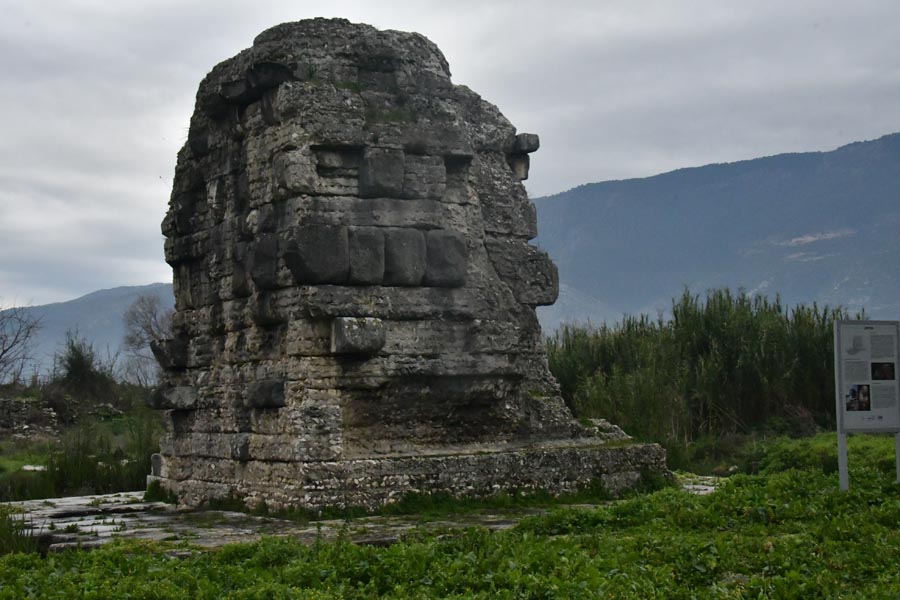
x: 811, y: 238
x: 97, y: 96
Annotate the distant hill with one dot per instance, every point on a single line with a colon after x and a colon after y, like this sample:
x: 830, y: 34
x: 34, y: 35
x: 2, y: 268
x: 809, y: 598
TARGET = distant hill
x: 816, y: 226
x: 97, y: 317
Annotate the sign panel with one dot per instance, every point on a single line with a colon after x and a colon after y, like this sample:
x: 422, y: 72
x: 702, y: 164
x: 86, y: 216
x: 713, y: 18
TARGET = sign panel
x: 865, y: 372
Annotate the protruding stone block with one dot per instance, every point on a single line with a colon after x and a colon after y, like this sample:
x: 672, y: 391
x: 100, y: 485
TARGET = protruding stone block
x: 404, y: 257
x: 171, y: 354
x: 319, y: 254
x: 446, y: 258
x: 357, y: 335
x: 366, y: 255
x: 381, y: 173
x: 265, y: 393
x: 182, y: 397
x: 528, y: 271
x: 266, y: 75
x: 527, y: 143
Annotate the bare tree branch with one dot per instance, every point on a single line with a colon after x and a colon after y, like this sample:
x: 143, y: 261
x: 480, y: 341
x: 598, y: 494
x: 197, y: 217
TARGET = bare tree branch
x: 17, y: 329
x: 145, y: 322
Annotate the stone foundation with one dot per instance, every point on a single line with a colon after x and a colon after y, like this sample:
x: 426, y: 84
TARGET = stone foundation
x: 374, y: 482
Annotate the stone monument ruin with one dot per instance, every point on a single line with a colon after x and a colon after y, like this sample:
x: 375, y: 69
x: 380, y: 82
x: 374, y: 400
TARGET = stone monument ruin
x: 355, y: 292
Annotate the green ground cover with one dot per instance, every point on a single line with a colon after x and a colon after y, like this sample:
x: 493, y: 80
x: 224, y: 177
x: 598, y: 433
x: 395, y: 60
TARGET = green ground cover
x: 94, y: 457
x: 784, y: 532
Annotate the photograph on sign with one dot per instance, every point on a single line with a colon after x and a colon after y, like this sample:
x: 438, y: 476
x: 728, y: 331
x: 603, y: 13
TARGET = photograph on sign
x: 882, y: 371
x: 858, y: 398
x: 868, y: 397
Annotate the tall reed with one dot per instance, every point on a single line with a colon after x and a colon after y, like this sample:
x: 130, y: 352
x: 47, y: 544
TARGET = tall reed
x: 722, y: 364
x: 15, y: 535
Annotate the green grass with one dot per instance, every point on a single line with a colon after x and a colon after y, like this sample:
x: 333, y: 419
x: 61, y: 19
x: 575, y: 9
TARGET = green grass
x: 784, y: 533
x: 92, y: 458
x: 14, y: 454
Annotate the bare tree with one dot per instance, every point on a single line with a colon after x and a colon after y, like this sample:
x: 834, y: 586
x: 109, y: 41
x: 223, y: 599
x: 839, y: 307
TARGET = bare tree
x: 145, y: 321
x: 17, y: 330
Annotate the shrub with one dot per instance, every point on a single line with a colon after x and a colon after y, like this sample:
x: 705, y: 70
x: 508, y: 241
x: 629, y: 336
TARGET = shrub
x: 81, y: 380
x: 718, y: 366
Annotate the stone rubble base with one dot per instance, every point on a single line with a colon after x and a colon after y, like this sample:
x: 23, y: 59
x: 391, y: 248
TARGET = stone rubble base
x: 374, y: 482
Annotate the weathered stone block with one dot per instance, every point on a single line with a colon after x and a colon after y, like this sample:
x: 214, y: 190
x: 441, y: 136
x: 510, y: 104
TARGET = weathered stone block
x: 263, y: 219
x: 520, y: 163
x: 266, y: 75
x: 295, y: 171
x: 528, y: 271
x: 404, y: 257
x: 319, y: 254
x: 425, y: 177
x: 171, y: 354
x: 366, y: 255
x: 446, y: 258
x: 329, y: 159
x: 263, y: 310
x: 182, y: 397
x: 527, y: 142
x: 357, y: 335
x: 240, y: 447
x: 265, y: 393
x: 156, y: 464
x: 381, y: 173
x: 240, y: 276
x: 263, y: 261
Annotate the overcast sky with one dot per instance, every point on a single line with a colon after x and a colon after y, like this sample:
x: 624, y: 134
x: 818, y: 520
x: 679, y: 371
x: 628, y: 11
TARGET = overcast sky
x: 95, y: 98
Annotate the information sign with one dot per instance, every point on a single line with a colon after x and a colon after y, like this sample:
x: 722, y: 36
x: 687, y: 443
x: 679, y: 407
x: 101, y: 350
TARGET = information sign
x: 867, y: 394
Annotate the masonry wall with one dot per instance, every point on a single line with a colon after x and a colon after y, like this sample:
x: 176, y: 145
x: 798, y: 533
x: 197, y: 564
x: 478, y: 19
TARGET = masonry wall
x: 349, y: 238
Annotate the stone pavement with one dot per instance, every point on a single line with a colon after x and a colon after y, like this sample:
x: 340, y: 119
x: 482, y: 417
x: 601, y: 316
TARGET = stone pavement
x: 90, y: 521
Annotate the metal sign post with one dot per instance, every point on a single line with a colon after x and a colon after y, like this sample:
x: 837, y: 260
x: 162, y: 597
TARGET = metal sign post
x: 866, y: 391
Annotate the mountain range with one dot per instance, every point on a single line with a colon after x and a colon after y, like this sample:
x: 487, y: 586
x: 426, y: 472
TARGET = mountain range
x: 96, y: 318
x: 812, y: 227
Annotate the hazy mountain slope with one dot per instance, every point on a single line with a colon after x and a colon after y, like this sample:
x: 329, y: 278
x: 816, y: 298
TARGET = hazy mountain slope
x: 97, y: 317
x: 820, y: 226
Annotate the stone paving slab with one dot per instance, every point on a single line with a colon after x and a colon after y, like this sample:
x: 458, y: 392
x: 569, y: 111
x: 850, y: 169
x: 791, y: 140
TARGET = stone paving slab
x: 90, y: 521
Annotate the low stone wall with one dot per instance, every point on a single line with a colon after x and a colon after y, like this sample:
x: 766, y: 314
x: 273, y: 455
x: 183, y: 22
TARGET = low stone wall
x: 26, y: 415
x: 374, y: 482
